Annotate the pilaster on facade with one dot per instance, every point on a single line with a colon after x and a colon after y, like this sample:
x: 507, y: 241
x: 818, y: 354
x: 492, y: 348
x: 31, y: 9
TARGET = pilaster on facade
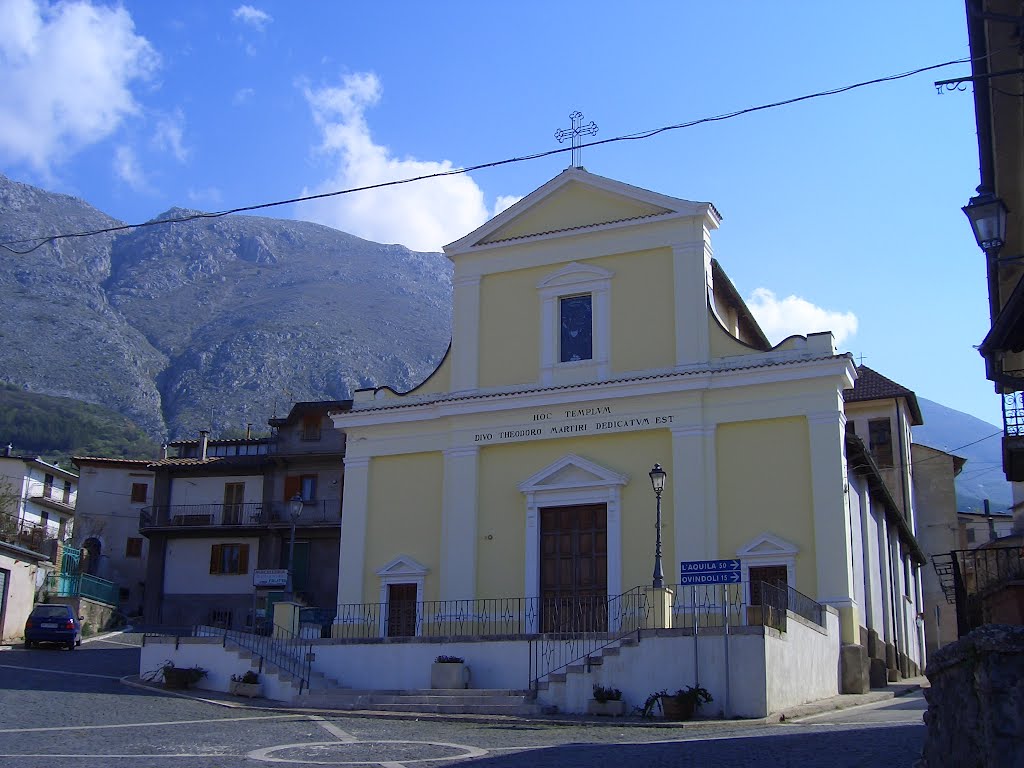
x: 831, y: 516
x: 694, y: 492
x: 691, y: 267
x: 465, y: 333
x: 459, y: 523
x: 356, y: 500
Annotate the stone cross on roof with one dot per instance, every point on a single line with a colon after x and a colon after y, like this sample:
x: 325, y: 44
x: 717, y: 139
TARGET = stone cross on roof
x: 576, y: 133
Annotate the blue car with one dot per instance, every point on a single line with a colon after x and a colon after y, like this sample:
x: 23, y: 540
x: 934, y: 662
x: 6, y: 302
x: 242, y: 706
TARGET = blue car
x: 53, y: 623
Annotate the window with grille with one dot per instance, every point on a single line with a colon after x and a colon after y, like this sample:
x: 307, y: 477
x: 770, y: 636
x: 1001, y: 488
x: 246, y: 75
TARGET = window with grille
x: 311, y: 426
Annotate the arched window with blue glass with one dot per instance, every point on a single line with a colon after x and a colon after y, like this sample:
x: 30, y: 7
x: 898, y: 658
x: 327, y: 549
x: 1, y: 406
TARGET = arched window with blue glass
x: 577, y: 334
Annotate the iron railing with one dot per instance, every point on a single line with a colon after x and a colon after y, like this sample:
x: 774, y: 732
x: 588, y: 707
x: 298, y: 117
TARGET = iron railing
x: 1013, y: 414
x: 972, y: 576
x: 247, y: 514
x: 83, y: 585
x: 280, y: 648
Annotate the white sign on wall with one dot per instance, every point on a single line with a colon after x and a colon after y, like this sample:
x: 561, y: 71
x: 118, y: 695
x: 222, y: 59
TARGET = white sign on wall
x: 270, y: 577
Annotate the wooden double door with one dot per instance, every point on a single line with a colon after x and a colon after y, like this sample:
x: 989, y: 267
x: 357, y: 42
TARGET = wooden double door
x: 574, y: 568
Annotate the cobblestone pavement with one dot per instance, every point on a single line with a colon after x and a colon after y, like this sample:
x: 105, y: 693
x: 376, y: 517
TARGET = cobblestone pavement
x: 71, y: 709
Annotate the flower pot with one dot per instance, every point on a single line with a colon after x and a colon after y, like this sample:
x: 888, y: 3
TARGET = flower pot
x: 677, y: 709
x: 252, y: 690
x: 449, y: 675
x: 606, y: 708
x: 180, y: 678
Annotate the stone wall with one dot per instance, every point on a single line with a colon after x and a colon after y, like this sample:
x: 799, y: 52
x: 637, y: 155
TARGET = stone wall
x: 975, y: 701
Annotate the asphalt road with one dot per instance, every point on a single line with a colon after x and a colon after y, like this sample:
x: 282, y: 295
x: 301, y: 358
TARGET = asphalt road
x: 70, y: 709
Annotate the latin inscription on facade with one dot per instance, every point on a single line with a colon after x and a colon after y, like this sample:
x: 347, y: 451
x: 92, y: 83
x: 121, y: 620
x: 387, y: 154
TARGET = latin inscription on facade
x: 584, y: 420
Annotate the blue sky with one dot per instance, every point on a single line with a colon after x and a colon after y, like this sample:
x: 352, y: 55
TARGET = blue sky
x: 840, y: 213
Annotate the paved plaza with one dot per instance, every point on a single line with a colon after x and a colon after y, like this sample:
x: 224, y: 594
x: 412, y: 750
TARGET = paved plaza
x: 74, y: 709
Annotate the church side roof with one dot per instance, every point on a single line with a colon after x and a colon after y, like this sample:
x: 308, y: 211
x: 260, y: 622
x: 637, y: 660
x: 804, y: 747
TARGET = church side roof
x: 871, y: 385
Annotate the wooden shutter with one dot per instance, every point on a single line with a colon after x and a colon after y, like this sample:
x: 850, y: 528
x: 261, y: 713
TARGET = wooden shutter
x: 243, y: 558
x: 292, y: 486
x: 215, y: 558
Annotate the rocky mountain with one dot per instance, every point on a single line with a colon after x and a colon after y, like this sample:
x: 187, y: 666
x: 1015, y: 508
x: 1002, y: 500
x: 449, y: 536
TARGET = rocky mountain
x: 212, y: 322
x: 977, y: 441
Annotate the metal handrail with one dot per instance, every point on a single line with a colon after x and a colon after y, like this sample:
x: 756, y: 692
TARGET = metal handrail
x: 280, y: 648
x: 244, y: 514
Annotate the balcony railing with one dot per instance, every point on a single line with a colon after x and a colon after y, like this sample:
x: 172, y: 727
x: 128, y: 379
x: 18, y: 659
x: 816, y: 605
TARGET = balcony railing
x: 969, y: 577
x: 83, y: 585
x: 321, y: 512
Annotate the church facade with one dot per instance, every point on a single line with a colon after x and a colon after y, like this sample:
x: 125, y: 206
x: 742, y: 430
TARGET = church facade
x: 594, y: 336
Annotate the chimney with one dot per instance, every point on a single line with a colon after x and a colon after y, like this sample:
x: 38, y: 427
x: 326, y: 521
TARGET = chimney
x: 204, y: 444
x: 248, y: 431
x: 991, y: 523
x: 163, y: 450
x: 9, y: 450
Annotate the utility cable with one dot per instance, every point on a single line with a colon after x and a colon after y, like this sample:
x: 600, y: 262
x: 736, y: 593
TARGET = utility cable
x: 43, y: 240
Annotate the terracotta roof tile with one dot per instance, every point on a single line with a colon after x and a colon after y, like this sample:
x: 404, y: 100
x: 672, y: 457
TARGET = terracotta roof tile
x: 871, y: 385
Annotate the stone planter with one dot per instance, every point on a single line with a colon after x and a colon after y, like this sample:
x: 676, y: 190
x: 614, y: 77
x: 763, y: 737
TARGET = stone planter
x: 180, y: 678
x: 606, y: 708
x: 252, y: 690
x: 676, y: 708
x: 449, y: 675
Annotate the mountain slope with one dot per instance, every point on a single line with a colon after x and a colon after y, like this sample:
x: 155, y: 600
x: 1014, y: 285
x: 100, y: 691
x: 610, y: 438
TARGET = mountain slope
x: 214, y: 322
x: 975, y: 440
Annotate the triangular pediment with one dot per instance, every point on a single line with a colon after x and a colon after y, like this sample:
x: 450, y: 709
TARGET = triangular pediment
x: 767, y: 544
x: 403, y: 565
x: 572, y: 471
x: 572, y: 201
x: 573, y: 206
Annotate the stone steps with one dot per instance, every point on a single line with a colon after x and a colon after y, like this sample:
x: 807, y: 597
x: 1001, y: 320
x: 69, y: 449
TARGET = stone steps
x: 438, y: 701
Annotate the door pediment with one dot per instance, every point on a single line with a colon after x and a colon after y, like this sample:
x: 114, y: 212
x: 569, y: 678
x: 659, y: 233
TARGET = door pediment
x: 572, y: 471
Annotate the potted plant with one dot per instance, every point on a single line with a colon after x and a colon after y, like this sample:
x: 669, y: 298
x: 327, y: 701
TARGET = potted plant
x: 449, y: 672
x: 180, y: 678
x: 606, y: 701
x: 246, y: 685
x: 681, y: 705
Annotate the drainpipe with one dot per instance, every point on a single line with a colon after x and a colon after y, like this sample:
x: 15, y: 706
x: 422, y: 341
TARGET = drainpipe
x: 204, y: 444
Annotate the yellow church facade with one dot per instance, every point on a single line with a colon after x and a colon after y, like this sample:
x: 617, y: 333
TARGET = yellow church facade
x: 595, y: 335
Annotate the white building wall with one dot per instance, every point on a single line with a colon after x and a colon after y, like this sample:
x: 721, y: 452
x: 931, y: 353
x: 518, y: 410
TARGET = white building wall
x: 20, y: 595
x: 187, y: 569
x: 210, y: 490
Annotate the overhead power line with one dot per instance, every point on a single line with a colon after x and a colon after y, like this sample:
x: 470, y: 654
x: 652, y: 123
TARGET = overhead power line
x: 642, y: 135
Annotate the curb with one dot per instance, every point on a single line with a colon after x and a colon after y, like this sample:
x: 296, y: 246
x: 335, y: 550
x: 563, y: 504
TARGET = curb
x: 793, y: 715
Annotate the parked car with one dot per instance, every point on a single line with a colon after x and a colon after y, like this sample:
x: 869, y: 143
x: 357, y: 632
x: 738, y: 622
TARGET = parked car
x: 53, y: 623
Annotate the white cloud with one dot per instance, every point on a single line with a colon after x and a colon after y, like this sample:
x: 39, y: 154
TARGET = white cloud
x: 210, y: 197
x: 247, y: 14
x: 422, y: 215
x: 128, y: 170
x: 780, y: 318
x: 242, y: 95
x: 66, y: 70
x: 504, y: 202
x: 168, y: 137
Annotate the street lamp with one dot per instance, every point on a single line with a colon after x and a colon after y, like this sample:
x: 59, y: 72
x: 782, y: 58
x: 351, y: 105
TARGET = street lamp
x: 987, y: 214
x: 658, y: 482
x: 294, y: 511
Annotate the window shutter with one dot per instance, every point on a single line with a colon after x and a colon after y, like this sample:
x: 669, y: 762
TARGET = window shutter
x: 215, y: 558
x: 292, y: 486
x: 243, y: 558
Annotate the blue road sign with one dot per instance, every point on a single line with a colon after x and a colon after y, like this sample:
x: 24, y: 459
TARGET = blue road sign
x: 709, y: 572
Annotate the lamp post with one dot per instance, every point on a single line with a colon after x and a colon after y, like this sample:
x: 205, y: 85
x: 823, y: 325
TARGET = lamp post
x: 987, y: 214
x: 294, y: 511
x: 658, y: 482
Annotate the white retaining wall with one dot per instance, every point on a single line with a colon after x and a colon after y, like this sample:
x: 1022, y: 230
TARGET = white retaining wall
x: 210, y: 654
x: 802, y: 665
x: 767, y: 671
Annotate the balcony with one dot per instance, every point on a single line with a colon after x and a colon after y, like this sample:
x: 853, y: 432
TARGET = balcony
x: 1013, y: 436
x: 54, y: 501
x: 317, y: 513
